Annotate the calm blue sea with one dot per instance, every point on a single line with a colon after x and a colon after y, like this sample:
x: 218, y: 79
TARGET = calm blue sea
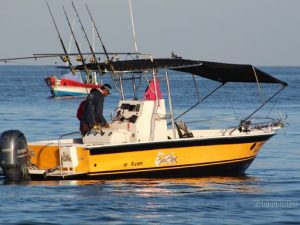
x: 268, y: 194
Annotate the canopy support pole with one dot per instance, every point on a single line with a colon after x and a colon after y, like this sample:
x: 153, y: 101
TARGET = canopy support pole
x: 121, y: 87
x: 259, y: 87
x: 196, y: 87
x: 262, y: 105
x: 133, y: 86
x: 170, y: 103
x: 200, y: 100
x: 156, y: 104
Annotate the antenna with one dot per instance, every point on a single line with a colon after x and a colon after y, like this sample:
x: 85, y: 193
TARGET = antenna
x: 108, y: 61
x: 77, y: 45
x: 71, y: 37
x: 98, y: 34
x: 132, y: 26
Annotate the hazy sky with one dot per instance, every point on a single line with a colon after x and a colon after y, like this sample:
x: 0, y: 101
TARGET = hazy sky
x: 259, y: 32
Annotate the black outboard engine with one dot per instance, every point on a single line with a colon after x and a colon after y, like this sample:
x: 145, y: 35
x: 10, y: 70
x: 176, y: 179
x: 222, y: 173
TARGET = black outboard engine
x: 14, y: 156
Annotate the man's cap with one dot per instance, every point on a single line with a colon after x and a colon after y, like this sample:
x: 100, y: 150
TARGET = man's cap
x: 106, y: 87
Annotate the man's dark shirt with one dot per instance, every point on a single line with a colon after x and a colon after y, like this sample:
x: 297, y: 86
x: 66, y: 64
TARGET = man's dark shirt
x: 93, y: 110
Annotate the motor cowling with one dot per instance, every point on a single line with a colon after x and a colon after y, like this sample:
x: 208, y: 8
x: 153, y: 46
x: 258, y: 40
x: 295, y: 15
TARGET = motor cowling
x: 14, y: 156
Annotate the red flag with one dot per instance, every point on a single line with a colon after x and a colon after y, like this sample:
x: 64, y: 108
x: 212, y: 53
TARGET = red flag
x: 150, y: 90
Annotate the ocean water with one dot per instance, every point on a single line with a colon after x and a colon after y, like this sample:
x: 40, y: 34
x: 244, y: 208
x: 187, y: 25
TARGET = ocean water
x: 269, y: 193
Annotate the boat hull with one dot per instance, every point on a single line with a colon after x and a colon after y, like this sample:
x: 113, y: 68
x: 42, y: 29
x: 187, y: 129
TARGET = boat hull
x: 169, y: 159
x: 64, y: 87
x: 61, y: 91
x: 236, y: 168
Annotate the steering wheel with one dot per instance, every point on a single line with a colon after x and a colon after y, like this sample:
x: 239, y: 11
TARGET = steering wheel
x: 117, y: 114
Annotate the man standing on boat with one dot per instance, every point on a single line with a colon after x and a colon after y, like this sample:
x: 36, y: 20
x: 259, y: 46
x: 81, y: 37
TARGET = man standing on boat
x: 93, y: 109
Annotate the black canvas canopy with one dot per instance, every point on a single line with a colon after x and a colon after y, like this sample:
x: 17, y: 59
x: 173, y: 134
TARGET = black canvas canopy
x: 221, y: 72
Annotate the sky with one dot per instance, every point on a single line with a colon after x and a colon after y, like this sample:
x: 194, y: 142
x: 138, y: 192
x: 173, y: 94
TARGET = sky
x: 257, y: 32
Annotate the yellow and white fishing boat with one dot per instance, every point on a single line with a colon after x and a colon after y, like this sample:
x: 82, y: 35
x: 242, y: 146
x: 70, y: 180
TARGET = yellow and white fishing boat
x: 144, y: 139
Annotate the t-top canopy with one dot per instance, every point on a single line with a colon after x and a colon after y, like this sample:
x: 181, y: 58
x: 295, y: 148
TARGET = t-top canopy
x: 221, y: 72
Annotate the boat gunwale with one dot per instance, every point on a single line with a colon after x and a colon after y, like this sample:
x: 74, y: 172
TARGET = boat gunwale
x: 66, y: 142
x: 176, y: 143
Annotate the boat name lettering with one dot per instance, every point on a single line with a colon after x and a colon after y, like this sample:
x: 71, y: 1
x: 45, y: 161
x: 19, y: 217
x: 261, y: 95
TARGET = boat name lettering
x: 136, y: 163
x: 162, y: 158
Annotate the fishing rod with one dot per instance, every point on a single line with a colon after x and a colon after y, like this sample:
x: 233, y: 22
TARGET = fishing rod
x: 101, y: 71
x: 99, y: 37
x: 66, y: 57
x: 77, y: 45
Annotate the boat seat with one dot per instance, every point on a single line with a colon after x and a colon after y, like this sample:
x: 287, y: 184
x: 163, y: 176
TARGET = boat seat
x: 183, y: 131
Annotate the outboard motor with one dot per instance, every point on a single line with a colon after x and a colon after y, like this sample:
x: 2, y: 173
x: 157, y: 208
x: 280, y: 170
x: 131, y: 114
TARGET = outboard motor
x: 14, y: 156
